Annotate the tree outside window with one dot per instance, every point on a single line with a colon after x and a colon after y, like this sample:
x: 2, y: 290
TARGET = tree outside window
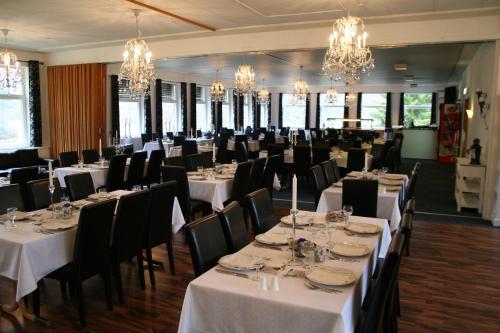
x: 294, y: 114
x: 417, y: 109
x: 373, y: 106
x: 331, y: 110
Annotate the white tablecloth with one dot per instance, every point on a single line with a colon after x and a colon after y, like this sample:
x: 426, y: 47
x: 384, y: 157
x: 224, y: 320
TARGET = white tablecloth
x: 177, y: 151
x: 213, y: 191
x: 150, y: 146
x: 26, y: 256
x: 216, y: 302
x: 253, y: 145
x: 387, y: 203
x: 340, y: 158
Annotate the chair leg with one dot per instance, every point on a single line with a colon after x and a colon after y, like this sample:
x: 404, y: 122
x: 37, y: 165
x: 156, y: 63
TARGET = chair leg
x: 140, y: 268
x: 62, y: 286
x: 171, y: 262
x: 118, y: 278
x: 106, y: 276
x: 36, y: 301
x: 81, y: 307
x: 149, y: 257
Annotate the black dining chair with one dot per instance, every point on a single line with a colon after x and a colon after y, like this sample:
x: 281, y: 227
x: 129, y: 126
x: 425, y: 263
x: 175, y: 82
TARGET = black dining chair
x: 278, y: 149
x: 116, y: 173
x: 68, y: 158
x: 355, y: 159
x: 199, y: 134
x: 90, y: 156
x: 155, y: 136
x: 79, y: 185
x: 161, y: 146
x: 241, y: 183
x: 398, y: 143
x: 153, y: 175
x: 345, y: 145
x: 270, y: 169
x: 410, y: 188
x: 406, y: 229
x: 207, y: 159
x: 389, y: 162
x: 132, y: 216
x: 11, y: 197
x: 194, y: 161
x: 39, y: 195
x: 335, y: 168
x: 170, y: 135
x: 301, y: 160
x: 234, y: 226
x: 362, y: 195
x: 189, y: 147
x: 206, y: 241
x: 24, y: 175
x: 257, y: 174
x: 91, y: 253
x: 329, y: 173
x: 135, y: 174
x: 260, y: 207
x: 321, y: 153
x: 319, y: 182
x: 159, y: 225
x: 145, y: 138
x: 179, y: 140
x: 378, y: 153
x: 240, y: 152
x: 108, y: 152
x: 174, y: 161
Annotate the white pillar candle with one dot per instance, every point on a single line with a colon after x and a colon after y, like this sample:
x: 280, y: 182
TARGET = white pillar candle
x: 366, y: 161
x: 213, y: 151
x: 100, y: 147
x: 294, y: 193
x: 51, y: 181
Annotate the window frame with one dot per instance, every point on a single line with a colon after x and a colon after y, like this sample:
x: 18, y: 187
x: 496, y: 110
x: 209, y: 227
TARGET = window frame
x: 417, y: 107
x: 287, y: 98
x: 228, y: 102
x: 369, y: 124
x: 172, y: 100
x: 340, y: 104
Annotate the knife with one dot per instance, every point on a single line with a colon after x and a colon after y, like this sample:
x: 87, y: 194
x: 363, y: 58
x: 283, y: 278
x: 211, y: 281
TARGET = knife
x: 223, y: 271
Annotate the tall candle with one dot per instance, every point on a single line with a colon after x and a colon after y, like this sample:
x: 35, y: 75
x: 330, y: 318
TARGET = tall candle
x: 366, y: 161
x: 213, y: 151
x: 100, y: 147
x: 294, y: 193
x: 51, y: 181
x: 116, y: 134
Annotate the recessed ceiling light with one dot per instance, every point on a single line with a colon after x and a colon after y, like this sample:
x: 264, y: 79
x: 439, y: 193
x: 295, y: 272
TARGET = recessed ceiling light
x: 400, y: 67
x: 413, y: 85
x: 409, y: 78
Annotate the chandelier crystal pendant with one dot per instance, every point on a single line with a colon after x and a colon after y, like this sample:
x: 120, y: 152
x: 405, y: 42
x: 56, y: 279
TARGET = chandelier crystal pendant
x: 331, y: 94
x: 300, y: 89
x: 348, y: 54
x: 350, y: 98
x: 217, y: 90
x: 263, y: 95
x: 10, y: 73
x: 137, y: 67
x: 244, y: 80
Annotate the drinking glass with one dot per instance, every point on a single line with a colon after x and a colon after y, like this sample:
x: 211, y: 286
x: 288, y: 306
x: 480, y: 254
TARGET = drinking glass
x: 347, y: 209
x: 12, y: 213
x: 331, y: 227
x: 80, y: 163
x: 200, y: 169
x: 383, y: 171
x: 308, y: 249
x: 136, y: 188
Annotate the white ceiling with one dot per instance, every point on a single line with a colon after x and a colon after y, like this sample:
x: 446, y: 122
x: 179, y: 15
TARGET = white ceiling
x: 429, y: 64
x: 50, y: 24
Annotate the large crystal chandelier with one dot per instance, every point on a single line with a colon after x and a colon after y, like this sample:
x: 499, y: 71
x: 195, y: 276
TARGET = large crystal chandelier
x: 350, y: 98
x: 348, y: 55
x: 300, y: 89
x: 10, y: 73
x: 137, y: 67
x: 244, y: 80
x: 217, y: 90
x: 263, y: 95
x: 331, y: 94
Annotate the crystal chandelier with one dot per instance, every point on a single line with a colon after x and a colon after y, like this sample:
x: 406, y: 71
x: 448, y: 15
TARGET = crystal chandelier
x: 348, y: 55
x: 300, y: 89
x: 350, y: 99
x: 244, y: 80
x: 331, y: 94
x: 263, y: 95
x: 217, y: 90
x: 10, y: 74
x: 137, y: 67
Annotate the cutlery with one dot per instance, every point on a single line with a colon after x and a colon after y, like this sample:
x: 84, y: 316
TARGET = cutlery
x: 349, y: 233
x: 334, y: 257
x: 269, y: 247
x: 326, y: 290
x: 241, y: 275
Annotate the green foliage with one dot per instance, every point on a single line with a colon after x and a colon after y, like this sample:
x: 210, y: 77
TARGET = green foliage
x: 418, y: 109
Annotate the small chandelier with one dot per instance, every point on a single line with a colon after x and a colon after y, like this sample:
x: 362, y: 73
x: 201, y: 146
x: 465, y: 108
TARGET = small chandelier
x: 348, y: 55
x: 263, y: 95
x: 300, y: 89
x: 244, y: 80
x: 10, y: 73
x: 331, y: 94
x: 137, y: 67
x: 350, y: 99
x: 217, y: 90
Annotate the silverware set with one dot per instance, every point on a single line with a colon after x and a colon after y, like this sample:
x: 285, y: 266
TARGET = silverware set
x: 325, y: 289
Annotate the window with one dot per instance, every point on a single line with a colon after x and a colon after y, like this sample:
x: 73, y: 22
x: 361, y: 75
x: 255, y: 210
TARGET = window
x: 131, y: 111
x: 264, y: 109
x: 247, y: 112
x: 417, y: 109
x: 170, y: 107
x: 227, y: 109
x: 203, y: 110
x: 294, y: 114
x: 331, y: 110
x: 14, y: 125
x: 373, y: 106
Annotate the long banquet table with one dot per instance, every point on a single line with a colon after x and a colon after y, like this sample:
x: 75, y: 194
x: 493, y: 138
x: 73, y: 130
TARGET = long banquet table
x: 340, y: 158
x: 216, y: 302
x: 27, y: 256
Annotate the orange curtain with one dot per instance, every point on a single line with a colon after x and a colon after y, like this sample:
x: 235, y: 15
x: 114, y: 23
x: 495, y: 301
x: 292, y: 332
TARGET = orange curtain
x: 77, y: 107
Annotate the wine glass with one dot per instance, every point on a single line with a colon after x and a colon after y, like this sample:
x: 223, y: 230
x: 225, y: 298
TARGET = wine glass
x: 383, y: 171
x: 331, y: 227
x: 347, y: 210
x: 12, y: 213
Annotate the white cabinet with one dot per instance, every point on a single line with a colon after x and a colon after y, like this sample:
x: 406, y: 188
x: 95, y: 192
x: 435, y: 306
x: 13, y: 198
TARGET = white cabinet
x: 469, y: 184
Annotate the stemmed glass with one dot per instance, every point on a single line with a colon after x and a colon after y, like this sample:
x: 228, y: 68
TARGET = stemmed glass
x: 330, y: 229
x: 52, y: 188
x: 12, y: 213
x: 383, y: 171
x: 347, y: 210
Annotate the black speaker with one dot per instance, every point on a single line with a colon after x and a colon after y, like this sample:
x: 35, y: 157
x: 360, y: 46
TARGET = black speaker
x: 450, y: 95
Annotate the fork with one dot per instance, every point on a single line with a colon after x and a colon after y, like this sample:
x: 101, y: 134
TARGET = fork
x: 333, y: 257
x: 326, y: 290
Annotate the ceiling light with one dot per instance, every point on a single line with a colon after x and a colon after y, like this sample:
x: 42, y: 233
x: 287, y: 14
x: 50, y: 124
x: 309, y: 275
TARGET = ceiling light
x: 300, y: 89
x: 137, y: 67
x: 331, y: 94
x: 409, y: 78
x: 400, y: 67
x: 217, y: 90
x: 350, y: 98
x: 263, y: 95
x: 244, y: 80
x: 10, y: 73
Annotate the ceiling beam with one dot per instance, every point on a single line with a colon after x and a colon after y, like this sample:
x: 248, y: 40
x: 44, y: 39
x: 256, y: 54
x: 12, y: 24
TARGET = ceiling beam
x: 164, y: 12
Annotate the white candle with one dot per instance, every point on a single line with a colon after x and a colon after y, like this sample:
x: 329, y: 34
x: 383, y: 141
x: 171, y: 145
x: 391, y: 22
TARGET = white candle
x: 51, y: 181
x: 116, y: 134
x: 213, y: 151
x: 366, y: 161
x: 100, y: 147
x: 294, y: 193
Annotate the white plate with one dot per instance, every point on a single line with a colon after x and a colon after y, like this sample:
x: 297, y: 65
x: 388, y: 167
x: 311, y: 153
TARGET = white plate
x: 299, y: 220
x: 224, y: 177
x: 330, y: 276
x: 355, y: 174
x: 349, y: 249
x: 101, y: 196
x: 197, y: 177
x: 273, y: 238
x: 392, y: 188
x: 363, y: 228
x: 394, y: 177
x: 19, y: 216
x: 240, y: 261
x: 390, y: 182
x: 53, y: 224
x: 194, y: 173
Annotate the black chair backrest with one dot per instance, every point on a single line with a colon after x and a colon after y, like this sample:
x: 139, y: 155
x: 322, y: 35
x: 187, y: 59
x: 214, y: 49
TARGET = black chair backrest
x: 257, y: 174
x: 39, y: 195
x: 240, y: 152
x: 23, y: 175
x: 207, y: 159
x: 179, y: 175
x: 407, y: 224
x: 170, y: 135
x: 269, y: 138
x: 362, y: 195
x: 156, y: 136
x: 136, y: 169
x: 155, y: 160
x: 132, y: 215
x: 159, y: 227
x: 179, y: 140
x: 91, y: 254
x: 301, y: 159
x: 260, y: 207
x: 234, y: 226
x: 160, y: 144
x: 116, y: 173
x: 90, y: 156
x: 319, y: 182
x: 241, y: 181
x: 68, y: 158
x: 378, y: 153
x: 270, y: 170
x: 205, y: 238
x: 302, y: 134
x: 194, y: 161
x: 410, y: 189
x: 345, y: 145
x: 79, y: 185
x: 277, y: 149
x: 329, y: 173
x: 174, y: 161
x: 128, y: 149
x: 335, y: 169
x: 321, y: 153
x: 145, y: 138
x: 390, y: 158
x: 409, y: 207
x: 11, y: 197
x: 108, y: 152
x: 355, y: 159
x: 241, y: 138
x: 189, y: 147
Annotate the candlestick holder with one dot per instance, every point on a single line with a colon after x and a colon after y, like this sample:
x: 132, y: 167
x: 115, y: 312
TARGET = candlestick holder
x: 365, y: 173
x: 294, y: 261
x: 52, y: 188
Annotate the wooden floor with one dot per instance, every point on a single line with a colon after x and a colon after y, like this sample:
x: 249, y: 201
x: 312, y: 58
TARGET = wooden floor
x: 450, y: 283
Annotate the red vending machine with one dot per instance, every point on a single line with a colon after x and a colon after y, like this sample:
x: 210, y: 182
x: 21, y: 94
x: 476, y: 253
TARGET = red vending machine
x: 449, y: 132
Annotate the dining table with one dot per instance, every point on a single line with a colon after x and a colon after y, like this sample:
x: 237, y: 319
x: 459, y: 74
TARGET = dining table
x: 226, y: 300
x: 339, y: 156
x: 252, y: 145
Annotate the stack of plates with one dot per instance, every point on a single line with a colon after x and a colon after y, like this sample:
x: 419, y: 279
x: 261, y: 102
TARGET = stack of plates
x: 363, y: 228
x: 193, y: 173
x: 349, y: 249
x: 325, y: 276
x: 197, y: 177
x: 394, y: 177
x: 274, y: 239
x: 100, y: 196
x: 390, y: 182
x: 392, y: 188
x: 224, y: 176
x: 240, y: 261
